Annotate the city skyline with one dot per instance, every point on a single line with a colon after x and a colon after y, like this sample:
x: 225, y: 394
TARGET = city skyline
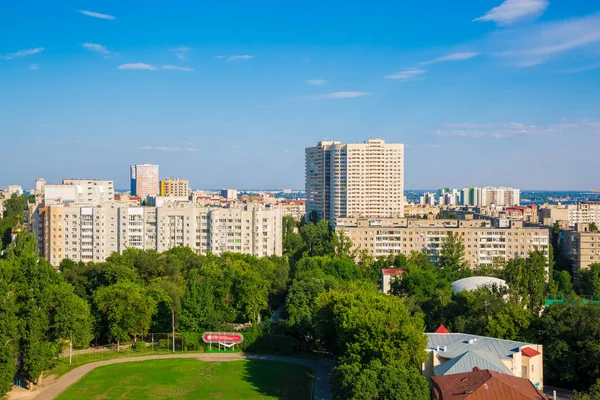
x: 481, y: 93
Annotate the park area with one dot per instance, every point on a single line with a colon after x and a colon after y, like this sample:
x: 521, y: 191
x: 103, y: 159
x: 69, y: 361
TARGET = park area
x: 195, y: 379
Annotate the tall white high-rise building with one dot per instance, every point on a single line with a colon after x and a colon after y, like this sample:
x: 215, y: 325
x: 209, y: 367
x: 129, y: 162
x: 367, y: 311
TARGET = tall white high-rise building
x: 355, y: 180
x: 500, y: 196
x: 144, y: 180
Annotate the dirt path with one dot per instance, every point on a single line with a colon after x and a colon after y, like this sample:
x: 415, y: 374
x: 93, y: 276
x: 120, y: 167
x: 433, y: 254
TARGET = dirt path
x: 322, y: 388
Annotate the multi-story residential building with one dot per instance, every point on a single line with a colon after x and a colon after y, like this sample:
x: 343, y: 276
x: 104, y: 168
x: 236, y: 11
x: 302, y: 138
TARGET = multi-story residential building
x: 573, y: 214
x: 500, y: 196
x: 293, y: 208
x: 449, y: 197
x: 471, y: 196
x: 80, y: 191
x: 132, y: 201
x: 85, y: 233
x: 428, y: 199
x: 456, y: 353
x: 580, y: 245
x: 355, y: 180
x: 1, y: 207
x: 229, y: 194
x: 484, y: 244
x: 421, y: 211
x: 144, y: 180
x: 174, y: 187
x: 12, y: 189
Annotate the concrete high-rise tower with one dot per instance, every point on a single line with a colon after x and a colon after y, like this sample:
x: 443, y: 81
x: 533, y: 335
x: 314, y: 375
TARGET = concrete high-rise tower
x: 144, y: 180
x: 355, y: 180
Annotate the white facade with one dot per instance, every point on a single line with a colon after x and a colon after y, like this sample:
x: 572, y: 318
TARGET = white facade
x: 80, y: 191
x: 355, y: 180
x: 500, y: 196
x: 229, y: 194
x: 12, y: 189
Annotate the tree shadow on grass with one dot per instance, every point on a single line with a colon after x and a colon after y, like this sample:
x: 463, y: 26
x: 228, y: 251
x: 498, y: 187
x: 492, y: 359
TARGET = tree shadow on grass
x: 279, y: 379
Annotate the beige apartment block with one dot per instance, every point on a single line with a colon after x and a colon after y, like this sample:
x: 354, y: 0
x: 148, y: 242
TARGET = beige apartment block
x: 174, y: 187
x: 581, y: 246
x: 85, y: 233
x: 355, y: 180
x: 421, y: 211
x: 79, y: 191
x: 293, y: 208
x: 484, y: 244
x: 580, y: 213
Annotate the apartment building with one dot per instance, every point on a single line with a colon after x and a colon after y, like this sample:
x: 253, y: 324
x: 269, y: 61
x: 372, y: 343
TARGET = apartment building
x: 484, y: 244
x: 355, y: 180
x: 85, y: 233
x: 80, y: 191
x: 490, y: 195
x: 411, y: 211
x: 573, y: 214
x: 293, y: 208
x: 12, y: 189
x: 580, y: 245
x: 144, y: 180
x: 229, y: 194
x: 174, y: 187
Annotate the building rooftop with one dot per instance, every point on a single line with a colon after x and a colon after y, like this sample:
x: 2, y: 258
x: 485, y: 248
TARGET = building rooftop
x: 476, y: 282
x: 392, y: 271
x: 484, y: 385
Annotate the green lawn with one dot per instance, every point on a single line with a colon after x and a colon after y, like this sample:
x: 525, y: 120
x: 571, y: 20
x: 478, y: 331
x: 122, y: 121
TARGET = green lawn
x: 194, y: 379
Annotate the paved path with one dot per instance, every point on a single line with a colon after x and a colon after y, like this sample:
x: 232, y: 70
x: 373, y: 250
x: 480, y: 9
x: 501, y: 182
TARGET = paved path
x: 322, y: 388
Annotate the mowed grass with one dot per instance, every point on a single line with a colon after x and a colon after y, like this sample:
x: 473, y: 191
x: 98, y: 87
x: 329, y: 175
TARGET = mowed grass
x: 194, y: 379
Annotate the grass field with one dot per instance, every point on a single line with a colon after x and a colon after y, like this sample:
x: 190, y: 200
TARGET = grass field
x: 194, y: 379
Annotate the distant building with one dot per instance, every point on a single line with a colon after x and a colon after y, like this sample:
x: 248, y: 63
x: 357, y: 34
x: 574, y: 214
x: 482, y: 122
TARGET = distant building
x: 293, y: 208
x: 421, y: 211
x: 484, y: 384
x: 428, y: 199
x: 12, y: 189
x: 132, y: 201
x: 459, y: 353
x: 79, y: 191
x: 572, y: 214
x: 144, y: 180
x: 229, y: 194
x: 484, y: 244
x: 355, y: 180
x: 580, y: 245
x: 174, y: 187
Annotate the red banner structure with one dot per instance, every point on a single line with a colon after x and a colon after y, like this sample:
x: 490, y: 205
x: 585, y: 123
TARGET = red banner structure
x: 222, y: 337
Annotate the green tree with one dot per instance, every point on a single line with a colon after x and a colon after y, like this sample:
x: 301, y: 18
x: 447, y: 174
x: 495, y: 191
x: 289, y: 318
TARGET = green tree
x: 451, y: 260
x: 202, y: 305
x: 593, y: 227
x: 589, y: 281
x: 317, y: 238
x: 593, y: 393
x: 9, y: 327
x: 341, y: 245
x: 127, y: 308
x: 526, y: 279
x: 70, y: 318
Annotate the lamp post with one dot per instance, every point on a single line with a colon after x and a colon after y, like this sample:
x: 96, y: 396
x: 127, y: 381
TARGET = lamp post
x: 173, y: 326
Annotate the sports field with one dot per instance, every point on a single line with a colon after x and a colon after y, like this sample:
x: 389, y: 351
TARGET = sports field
x: 194, y: 379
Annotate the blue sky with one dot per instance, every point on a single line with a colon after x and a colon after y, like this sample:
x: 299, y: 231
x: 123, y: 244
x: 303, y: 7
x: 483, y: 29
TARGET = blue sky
x: 228, y: 94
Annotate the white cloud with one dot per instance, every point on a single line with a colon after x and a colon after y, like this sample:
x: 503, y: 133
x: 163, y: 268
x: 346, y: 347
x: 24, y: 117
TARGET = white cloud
x: 175, y: 67
x: 341, y: 95
x: 514, y: 129
x: 408, y: 74
x: 34, y: 67
x: 137, y: 66
x: 511, y: 11
x: 164, y: 148
x: 452, y: 57
x: 235, y: 58
x: 96, y: 15
x: 582, y: 69
x: 22, y: 53
x: 316, y: 81
x: 539, y: 43
x: 98, y: 48
x: 181, y: 53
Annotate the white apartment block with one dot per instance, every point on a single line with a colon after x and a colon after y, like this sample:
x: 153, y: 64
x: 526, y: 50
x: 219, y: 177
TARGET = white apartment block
x: 84, y: 233
x: 80, y: 191
x: 229, y: 194
x: 355, y: 180
x: 484, y: 244
x: 12, y: 189
x: 486, y: 196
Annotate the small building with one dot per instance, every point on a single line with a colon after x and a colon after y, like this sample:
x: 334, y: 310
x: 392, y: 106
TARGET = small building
x: 387, y: 276
x: 484, y: 384
x: 457, y: 353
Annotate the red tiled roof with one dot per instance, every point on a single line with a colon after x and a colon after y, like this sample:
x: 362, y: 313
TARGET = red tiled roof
x: 529, y: 352
x: 392, y: 271
x: 442, y: 329
x: 484, y: 385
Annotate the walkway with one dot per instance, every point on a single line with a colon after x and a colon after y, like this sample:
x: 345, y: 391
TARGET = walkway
x: 322, y: 388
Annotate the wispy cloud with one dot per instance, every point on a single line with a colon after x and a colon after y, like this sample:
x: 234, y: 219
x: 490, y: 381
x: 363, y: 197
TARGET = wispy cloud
x: 96, y: 15
x: 452, y: 57
x: 137, y: 66
x: 511, y: 11
x: 98, y: 48
x: 235, y: 58
x: 514, y: 129
x: 164, y: 148
x: 316, y: 81
x: 582, y: 69
x: 408, y: 74
x: 541, y: 42
x: 33, y: 67
x: 340, y: 95
x: 22, y: 53
x: 181, y: 53
x: 175, y: 67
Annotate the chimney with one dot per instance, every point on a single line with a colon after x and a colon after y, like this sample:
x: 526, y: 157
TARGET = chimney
x: 476, y: 369
x: 445, y: 348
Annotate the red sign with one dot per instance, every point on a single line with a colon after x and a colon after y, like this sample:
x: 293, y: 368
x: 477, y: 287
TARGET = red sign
x: 221, y: 337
